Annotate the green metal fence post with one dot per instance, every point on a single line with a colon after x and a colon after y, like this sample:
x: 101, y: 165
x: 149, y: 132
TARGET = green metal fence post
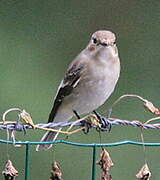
x: 94, y: 163
x: 27, y: 157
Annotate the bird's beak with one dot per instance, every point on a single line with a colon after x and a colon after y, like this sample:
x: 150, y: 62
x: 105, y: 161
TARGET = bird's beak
x: 103, y: 44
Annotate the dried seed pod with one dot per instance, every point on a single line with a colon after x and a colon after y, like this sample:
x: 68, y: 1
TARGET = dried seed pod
x: 144, y: 173
x: 106, y: 176
x: 27, y: 118
x: 105, y: 160
x: 56, y: 173
x: 105, y: 163
x: 10, y: 172
x: 149, y: 106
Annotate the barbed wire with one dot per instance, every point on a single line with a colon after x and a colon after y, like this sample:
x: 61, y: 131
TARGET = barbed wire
x: 104, y: 126
x: 24, y: 120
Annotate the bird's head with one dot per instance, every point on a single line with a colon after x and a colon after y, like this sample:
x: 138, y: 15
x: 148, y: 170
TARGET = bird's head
x: 102, y: 40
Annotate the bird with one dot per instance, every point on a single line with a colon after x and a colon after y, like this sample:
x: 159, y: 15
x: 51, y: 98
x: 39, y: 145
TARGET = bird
x: 88, y: 82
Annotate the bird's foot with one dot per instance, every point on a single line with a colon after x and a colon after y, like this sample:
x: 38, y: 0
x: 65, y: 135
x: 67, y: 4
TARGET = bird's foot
x: 83, y: 123
x: 105, y: 125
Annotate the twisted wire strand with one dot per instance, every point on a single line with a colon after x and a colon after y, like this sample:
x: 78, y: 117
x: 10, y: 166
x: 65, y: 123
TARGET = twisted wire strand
x: 101, y: 122
x: 105, y: 124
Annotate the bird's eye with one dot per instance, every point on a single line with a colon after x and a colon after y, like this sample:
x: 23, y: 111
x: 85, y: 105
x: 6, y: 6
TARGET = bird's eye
x: 94, y: 40
x: 114, y: 42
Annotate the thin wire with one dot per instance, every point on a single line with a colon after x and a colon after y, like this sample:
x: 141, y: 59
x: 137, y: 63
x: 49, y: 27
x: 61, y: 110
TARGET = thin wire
x: 100, y: 138
x: 120, y: 143
x: 144, y: 148
x: 7, y: 147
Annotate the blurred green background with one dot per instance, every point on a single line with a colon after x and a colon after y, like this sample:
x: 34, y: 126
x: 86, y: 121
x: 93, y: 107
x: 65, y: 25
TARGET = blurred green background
x: 39, y: 38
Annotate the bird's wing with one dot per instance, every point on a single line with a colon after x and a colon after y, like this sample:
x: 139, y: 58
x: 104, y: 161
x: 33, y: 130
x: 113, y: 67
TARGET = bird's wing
x: 70, y: 81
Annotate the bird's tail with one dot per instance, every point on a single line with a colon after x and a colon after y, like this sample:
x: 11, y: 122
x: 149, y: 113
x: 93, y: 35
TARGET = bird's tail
x: 48, y: 136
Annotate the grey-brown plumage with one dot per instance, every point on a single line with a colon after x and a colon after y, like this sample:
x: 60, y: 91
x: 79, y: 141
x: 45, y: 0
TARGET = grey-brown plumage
x: 88, y: 82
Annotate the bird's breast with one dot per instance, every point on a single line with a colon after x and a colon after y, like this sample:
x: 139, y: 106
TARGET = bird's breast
x: 94, y: 89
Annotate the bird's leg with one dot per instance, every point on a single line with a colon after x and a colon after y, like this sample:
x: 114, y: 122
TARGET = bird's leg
x: 76, y: 114
x: 105, y: 125
x: 84, y: 123
x: 98, y: 116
